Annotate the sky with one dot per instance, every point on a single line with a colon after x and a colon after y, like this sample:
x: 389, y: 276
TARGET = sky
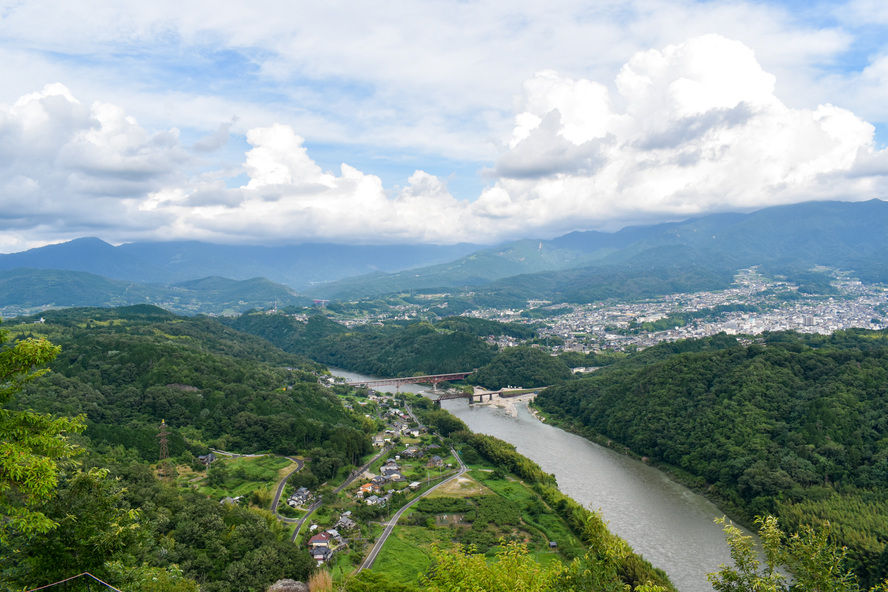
x: 284, y: 122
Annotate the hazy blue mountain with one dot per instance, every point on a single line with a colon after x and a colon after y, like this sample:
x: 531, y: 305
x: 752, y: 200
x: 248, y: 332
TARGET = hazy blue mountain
x: 29, y: 290
x: 700, y: 253
x: 486, y: 265
x: 704, y: 251
x: 91, y: 255
x: 298, y: 266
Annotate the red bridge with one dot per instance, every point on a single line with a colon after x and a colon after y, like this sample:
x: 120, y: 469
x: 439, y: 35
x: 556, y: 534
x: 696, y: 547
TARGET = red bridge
x: 433, y: 379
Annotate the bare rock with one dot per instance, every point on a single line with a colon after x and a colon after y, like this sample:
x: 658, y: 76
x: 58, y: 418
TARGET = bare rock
x: 288, y: 586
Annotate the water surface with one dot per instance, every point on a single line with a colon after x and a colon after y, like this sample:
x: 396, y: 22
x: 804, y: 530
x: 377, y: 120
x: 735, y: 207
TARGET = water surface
x: 671, y: 526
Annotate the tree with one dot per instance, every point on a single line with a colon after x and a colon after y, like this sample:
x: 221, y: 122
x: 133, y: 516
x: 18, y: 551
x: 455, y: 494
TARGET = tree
x: 513, y: 569
x: 816, y: 563
x: 150, y: 579
x: 94, y: 526
x: 31, y: 444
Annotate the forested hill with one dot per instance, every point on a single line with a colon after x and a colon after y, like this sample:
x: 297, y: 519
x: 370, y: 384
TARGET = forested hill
x: 126, y: 370
x: 397, y: 349
x: 792, y: 425
x: 129, y: 368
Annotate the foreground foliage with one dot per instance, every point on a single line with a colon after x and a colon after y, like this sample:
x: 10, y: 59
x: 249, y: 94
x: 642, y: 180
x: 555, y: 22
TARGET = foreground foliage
x: 816, y: 563
x: 512, y: 570
x: 31, y: 444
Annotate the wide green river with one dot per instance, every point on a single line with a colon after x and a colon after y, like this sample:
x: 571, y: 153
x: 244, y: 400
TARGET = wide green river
x: 671, y: 526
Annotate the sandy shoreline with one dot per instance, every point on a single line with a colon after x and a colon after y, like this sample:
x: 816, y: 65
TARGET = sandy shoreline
x: 509, y: 404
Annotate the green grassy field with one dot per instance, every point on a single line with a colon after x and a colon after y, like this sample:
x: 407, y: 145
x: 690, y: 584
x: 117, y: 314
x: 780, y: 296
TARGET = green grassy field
x: 408, y: 553
x: 246, y: 474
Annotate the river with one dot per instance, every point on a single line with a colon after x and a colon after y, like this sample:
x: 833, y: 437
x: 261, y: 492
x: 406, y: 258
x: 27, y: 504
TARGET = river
x: 671, y: 526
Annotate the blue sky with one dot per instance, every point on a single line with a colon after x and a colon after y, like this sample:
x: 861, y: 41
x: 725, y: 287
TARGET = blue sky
x: 438, y: 121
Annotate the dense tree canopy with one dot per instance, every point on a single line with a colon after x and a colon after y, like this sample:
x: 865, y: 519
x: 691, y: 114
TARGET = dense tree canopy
x: 454, y: 344
x: 128, y: 369
x: 792, y: 425
x: 527, y: 367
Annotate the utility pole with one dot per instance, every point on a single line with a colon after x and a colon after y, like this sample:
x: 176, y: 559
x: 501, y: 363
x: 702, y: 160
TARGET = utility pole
x: 164, y: 449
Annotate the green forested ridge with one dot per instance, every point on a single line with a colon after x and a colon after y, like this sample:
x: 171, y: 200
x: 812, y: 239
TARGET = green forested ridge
x: 419, y: 348
x: 484, y: 327
x: 527, y: 367
x: 129, y: 368
x: 452, y: 345
x: 793, y: 425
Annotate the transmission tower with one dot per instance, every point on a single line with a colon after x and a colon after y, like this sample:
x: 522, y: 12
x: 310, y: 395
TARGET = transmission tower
x: 164, y: 448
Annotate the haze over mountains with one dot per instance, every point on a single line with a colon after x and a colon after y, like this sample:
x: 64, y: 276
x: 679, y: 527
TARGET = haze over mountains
x: 700, y: 253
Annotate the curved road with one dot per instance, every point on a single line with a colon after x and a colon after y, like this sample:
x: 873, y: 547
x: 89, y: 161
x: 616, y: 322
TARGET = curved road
x: 371, y: 558
x: 280, y: 490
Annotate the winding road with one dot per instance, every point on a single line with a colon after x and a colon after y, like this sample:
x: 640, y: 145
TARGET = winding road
x: 280, y: 490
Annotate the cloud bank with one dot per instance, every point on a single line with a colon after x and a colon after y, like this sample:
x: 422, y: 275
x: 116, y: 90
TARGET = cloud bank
x: 692, y: 128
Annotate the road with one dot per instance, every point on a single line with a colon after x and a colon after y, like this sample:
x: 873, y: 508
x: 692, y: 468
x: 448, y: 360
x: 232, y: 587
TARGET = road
x: 280, y: 490
x: 371, y: 557
x: 410, y: 412
x: 354, y: 475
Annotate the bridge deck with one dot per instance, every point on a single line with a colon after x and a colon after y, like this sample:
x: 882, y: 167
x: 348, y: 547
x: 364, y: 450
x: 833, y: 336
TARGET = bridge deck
x: 433, y: 379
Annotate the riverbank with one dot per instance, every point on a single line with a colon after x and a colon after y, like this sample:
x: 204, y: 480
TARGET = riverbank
x: 697, y: 484
x: 662, y: 521
x: 666, y: 523
x: 509, y: 404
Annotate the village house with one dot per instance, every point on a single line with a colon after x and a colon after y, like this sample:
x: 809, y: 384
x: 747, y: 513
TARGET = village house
x: 345, y: 522
x: 322, y: 539
x: 390, y: 467
x: 368, y: 489
x: 299, y: 498
x: 412, y: 452
x: 322, y: 555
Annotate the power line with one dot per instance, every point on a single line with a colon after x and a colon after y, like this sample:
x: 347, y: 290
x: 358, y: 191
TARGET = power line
x: 86, y: 573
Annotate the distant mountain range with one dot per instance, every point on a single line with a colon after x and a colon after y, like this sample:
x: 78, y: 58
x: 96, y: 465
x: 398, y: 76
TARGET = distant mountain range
x: 785, y: 239
x: 24, y: 291
x: 701, y: 253
x: 297, y: 266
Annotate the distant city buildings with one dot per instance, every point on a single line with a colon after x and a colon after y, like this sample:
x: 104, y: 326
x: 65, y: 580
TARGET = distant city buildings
x: 620, y: 326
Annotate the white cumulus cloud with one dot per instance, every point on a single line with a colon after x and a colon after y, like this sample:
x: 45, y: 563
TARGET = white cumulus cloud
x: 68, y: 168
x: 693, y: 128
